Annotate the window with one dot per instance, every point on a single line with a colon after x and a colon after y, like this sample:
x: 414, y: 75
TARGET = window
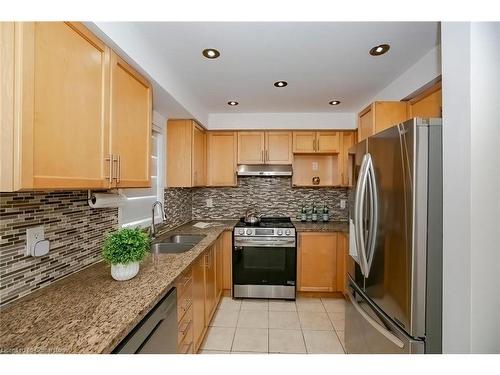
x: 137, y: 210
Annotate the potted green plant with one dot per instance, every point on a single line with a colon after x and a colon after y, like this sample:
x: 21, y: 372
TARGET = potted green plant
x: 124, y: 250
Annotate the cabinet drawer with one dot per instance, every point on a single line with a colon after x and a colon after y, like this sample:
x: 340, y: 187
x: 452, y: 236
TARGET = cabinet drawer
x: 185, y: 335
x: 184, y: 303
x: 184, y: 285
x: 185, y: 330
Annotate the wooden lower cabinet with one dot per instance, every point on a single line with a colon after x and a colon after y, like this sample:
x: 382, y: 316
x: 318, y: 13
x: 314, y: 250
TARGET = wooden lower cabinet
x: 206, y: 286
x: 227, y: 260
x: 321, y: 261
x: 185, y: 313
x: 342, y: 254
x: 210, y: 283
x: 219, y: 266
x: 199, y: 324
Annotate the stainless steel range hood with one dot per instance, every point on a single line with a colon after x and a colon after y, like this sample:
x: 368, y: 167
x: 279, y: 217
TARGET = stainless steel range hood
x: 264, y: 170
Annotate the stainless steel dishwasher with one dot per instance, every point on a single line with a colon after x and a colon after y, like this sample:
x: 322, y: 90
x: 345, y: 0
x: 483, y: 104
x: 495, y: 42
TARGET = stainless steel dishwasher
x: 157, y: 332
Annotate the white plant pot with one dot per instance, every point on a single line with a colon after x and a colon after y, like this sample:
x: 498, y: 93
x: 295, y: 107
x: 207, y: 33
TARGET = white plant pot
x: 122, y: 272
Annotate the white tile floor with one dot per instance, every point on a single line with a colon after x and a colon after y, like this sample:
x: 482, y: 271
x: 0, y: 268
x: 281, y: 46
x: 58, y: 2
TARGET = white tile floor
x: 308, y: 325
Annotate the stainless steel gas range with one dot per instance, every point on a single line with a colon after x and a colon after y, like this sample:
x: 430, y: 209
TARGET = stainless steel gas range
x: 265, y: 259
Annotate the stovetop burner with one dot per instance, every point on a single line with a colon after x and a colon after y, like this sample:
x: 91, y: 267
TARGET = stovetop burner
x: 268, y: 222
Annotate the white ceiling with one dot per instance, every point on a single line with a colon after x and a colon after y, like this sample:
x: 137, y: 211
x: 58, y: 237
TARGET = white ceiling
x: 321, y: 61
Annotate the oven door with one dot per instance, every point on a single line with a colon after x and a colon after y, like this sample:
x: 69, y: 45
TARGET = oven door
x: 264, y: 261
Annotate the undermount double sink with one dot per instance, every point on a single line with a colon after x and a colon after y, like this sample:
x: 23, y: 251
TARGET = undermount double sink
x: 176, y: 244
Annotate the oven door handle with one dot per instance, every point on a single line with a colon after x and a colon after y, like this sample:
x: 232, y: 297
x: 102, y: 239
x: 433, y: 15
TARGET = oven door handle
x: 265, y: 243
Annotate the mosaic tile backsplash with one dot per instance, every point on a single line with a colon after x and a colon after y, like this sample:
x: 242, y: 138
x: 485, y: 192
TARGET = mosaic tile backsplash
x: 178, y: 206
x: 75, y: 231
x: 273, y: 196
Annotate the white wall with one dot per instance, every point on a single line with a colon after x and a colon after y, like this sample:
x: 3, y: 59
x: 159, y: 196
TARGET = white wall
x: 427, y: 68
x: 471, y: 203
x: 485, y: 188
x: 220, y: 121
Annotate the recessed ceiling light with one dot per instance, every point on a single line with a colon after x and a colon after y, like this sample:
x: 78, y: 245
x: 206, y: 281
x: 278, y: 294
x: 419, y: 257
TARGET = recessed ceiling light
x: 211, y: 53
x: 380, y: 49
x: 334, y: 102
x: 280, y: 83
x: 232, y: 103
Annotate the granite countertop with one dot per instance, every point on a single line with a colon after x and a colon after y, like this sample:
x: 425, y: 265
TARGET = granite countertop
x: 330, y: 226
x: 88, y: 311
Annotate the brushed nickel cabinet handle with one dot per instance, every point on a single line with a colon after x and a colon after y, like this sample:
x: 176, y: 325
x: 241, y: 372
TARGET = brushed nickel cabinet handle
x: 110, y: 160
x: 119, y: 172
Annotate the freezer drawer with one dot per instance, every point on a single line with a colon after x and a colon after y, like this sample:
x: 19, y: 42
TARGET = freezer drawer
x: 368, y: 331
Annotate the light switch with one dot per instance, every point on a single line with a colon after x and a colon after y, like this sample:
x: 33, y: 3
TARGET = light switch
x: 343, y: 203
x: 210, y: 202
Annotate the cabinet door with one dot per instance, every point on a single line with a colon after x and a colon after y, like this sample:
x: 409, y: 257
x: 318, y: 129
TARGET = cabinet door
x: 251, y: 147
x: 198, y: 300
x: 347, y: 140
x: 130, y: 137
x: 60, y: 120
x: 388, y: 114
x: 222, y: 151
x: 278, y: 148
x: 317, y: 262
x: 304, y: 142
x: 218, y: 267
x: 179, y: 153
x: 199, y: 156
x: 227, y: 260
x: 366, y: 126
x: 327, y: 142
x: 210, y: 283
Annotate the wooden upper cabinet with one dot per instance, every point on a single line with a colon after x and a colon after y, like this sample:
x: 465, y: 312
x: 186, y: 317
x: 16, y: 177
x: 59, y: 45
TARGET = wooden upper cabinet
x: 251, y: 147
x: 72, y: 104
x: 379, y: 116
x: 317, y: 262
x: 265, y: 147
x: 347, y: 140
x: 305, y: 142
x: 199, y: 171
x: 130, y: 139
x: 278, y: 148
x: 327, y: 141
x: 222, y: 148
x: 59, y: 99
x: 186, y: 154
x: 428, y: 103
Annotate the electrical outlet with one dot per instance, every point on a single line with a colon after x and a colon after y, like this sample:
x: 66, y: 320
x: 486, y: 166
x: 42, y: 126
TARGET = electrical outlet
x: 210, y: 202
x: 33, y: 235
x: 315, y: 166
x: 343, y: 203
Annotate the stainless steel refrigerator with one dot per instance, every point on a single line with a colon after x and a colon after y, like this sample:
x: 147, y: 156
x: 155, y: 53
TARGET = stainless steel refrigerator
x: 395, y: 244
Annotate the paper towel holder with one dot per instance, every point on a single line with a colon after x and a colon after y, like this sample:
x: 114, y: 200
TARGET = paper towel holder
x: 91, y: 198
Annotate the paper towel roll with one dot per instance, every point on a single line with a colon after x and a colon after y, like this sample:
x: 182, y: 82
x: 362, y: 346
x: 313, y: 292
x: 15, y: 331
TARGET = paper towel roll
x: 104, y: 200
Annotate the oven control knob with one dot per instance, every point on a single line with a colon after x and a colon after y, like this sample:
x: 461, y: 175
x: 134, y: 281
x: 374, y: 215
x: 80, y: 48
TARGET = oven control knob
x: 241, y: 231
x: 280, y: 232
x: 288, y: 232
x: 249, y: 231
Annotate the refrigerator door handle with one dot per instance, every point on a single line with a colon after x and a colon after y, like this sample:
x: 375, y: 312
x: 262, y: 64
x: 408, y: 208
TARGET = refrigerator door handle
x: 358, y: 213
x: 372, y: 186
x: 384, y: 331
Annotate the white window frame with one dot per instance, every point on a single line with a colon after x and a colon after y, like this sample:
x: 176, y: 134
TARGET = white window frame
x: 158, y: 127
